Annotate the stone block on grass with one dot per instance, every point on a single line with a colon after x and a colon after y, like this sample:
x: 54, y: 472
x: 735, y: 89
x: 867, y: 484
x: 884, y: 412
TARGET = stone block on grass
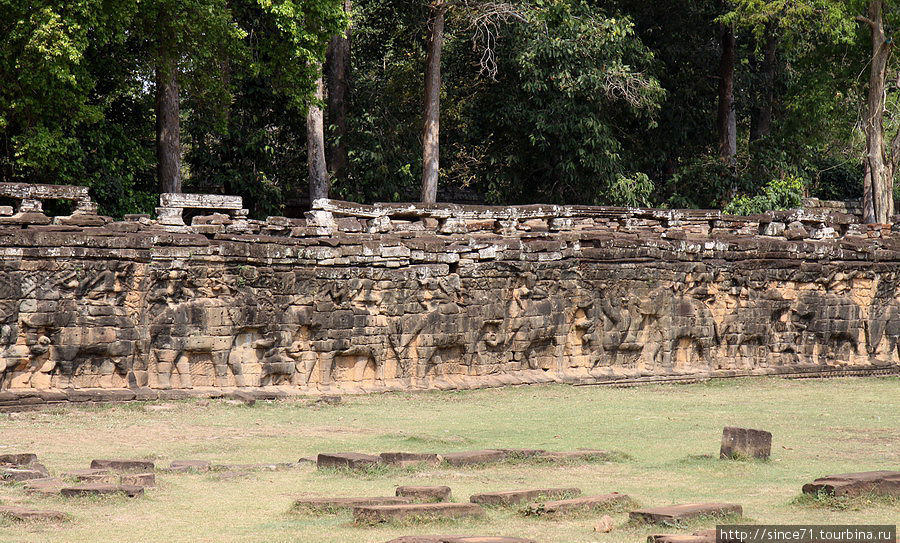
x: 19, y: 459
x: 178, y: 466
x: 97, y: 489
x: 330, y: 505
x: 576, y: 505
x: 885, y: 483
x: 515, y: 497
x: 468, y: 458
x: 28, y: 514
x: 675, y: 513
x: 408, y: 459
x: 137, y: 479
x: 745, y: 443
x: 346, y: 460
x: 420, y: 512
x: 124, y: 465
x: 425, y: 493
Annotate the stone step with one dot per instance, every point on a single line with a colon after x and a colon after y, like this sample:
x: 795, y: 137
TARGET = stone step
x: 459, y: 539
x: 409, y: 459
x: 346, y: 460
x: 326, y: 505
x: 27, y: 514
x: 425, y: 493
x: 685, y: 511
x: 422, y: 512
x: 124, y: 465
x: 97, y: 489
x: 886, y: 483
x: 576, y: 505
x: 515, y: 497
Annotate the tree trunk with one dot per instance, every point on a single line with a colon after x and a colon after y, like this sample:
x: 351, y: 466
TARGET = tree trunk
x: 878, y: 183
x: 726, y: 122
x: 168, y: 129
x: 315, y: 148
x: 337, y: 78
x: 431, y: 131
x: 761, y: 115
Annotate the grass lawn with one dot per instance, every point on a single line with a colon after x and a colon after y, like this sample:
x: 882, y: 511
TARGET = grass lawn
x: 670, y: 434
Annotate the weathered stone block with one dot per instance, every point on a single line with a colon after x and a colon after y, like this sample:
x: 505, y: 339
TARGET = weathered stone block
x: 421, y: 512
x: 744, y: 442
x: 408, y: 459
x: 425, y: 493
x: 123, y: 465
x: 98, y: 489
x: 674, y: 513
x: 515, y: 497
x: 576, y: 505
x: 885, y: 483
x: 28, y: 514
x: 332, y: 505
x: 346, y: 460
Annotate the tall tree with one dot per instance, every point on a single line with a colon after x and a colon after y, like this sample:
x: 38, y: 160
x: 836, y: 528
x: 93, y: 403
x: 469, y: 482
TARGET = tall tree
x: 168, y: 107
x: 315, y: 147
x: 337, y: 80
x: 432, y: 117
x: 726, y: 120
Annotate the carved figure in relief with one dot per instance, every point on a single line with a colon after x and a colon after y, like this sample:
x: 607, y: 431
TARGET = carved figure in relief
x: 535, y: 321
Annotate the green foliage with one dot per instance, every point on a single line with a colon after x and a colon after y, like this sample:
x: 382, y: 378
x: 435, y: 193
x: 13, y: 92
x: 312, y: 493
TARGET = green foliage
x: 783, y: 193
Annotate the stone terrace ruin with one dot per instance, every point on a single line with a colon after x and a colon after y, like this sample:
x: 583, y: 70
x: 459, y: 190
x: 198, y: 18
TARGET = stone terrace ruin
x: 358, y: 298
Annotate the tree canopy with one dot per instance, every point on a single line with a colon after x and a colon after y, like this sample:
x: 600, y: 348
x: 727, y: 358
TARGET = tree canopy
x: 568, y: 101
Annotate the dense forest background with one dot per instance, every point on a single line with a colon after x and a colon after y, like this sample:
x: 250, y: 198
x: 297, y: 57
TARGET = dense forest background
x: 708, y: 103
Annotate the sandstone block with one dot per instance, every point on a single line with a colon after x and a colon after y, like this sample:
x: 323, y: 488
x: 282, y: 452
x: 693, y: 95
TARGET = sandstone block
x: 468, y: 458
x: 346, y: 460
x: 20, y: 459
x: 28, y: 514
x: 328, y: 505
x: 420, y: 512
x: 576, y: 505
x: 138, y: 479
x: 425, y: 493
x: 408, y: 459
x: 673, y: 513
x: 123, y: 465
x: 21, y: 474
x: 189, y: 465
x: 515, y: 497
x: 886, y: 483
x: 99, y: 489
x: 744, y: 442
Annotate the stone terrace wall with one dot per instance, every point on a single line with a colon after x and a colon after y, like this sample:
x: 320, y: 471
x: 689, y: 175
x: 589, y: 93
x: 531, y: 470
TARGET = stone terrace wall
x: 358, y: 298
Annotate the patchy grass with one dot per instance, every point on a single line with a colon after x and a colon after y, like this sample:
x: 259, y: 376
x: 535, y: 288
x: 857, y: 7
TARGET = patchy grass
x: 670, y: 434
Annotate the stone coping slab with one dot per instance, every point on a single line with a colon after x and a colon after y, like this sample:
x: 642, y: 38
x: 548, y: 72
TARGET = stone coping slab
x: 338, y: 504
x: 425, y: 493
x: 575, y: 505
x: 459, y: 539
x: 408, y: 459
x: 701, y: 536
x: 685, y: 511
x: 420, y: 512
x: 97, y: 489
x: 346, y: 460
x: 468, y: 458
x: 124, y: 465
x: 515, y: 497
x: 885, y: 483
x: 28, y: 514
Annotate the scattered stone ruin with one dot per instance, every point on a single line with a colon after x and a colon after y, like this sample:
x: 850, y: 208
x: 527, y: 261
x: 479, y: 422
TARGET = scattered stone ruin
x: 360, y: 298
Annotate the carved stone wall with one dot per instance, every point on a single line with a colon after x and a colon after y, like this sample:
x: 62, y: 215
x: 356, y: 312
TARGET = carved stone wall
x: 360, y: 298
